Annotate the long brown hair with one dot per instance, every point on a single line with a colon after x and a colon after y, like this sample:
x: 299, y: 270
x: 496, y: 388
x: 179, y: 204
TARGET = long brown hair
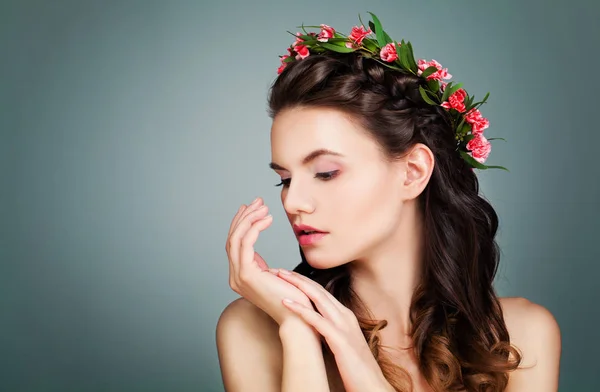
x: 458, y: 330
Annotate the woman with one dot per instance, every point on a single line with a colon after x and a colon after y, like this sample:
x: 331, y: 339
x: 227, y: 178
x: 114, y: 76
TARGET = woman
x: 394, y: 292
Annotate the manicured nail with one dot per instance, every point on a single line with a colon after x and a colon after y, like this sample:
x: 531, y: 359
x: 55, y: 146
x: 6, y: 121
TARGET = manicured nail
x: 288, y: 301
x: 255, y: 200
x: 285, y: 272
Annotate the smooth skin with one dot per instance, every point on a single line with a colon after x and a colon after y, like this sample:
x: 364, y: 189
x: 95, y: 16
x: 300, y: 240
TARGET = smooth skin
x: 368, y: 206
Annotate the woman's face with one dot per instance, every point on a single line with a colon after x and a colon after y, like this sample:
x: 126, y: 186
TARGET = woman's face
x: 351, y: 193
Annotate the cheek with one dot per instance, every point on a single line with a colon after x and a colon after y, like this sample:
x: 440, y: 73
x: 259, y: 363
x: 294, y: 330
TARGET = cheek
x: 369, y: 212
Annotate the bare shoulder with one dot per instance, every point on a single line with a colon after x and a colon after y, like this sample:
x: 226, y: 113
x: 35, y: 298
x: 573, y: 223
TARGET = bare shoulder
x: 535, y: 333
x: 249, y: 348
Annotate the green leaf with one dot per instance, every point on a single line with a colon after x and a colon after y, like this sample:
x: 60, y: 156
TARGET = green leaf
x: 402, y: 55
x: 471, y: 161
x: 307, y: 40
x: 387, y: 64
x: 425, y: 96
x: 303, y: 28
x: 464, y: 128
x: 361, y: 22
x: 411, y: 58
x: 498, y: 167
x: 476, y: 105
x: 371, y: 45
x: 336, y: 48
x: 428, y: 71
x: 449, y: 90
x: 337, y: 41
x: 469, y: 102
x: 387, y: 38
x: 372, y: 26
x: 433, y: 85
x: 378, y: 30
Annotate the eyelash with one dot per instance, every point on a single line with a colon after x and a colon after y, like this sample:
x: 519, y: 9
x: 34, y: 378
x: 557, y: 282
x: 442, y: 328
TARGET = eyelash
x: 324, y: 176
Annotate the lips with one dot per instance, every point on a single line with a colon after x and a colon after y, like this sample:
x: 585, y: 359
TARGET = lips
x: 308, y: 235
x: 306, y: 230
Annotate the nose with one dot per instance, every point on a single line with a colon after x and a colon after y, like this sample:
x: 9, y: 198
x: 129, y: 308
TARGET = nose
x: 296, y: 199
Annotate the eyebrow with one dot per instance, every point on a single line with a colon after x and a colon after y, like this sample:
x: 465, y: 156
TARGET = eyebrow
x: 309, y: 158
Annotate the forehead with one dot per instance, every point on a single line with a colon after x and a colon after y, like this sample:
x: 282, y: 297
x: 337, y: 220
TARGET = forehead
x: 298, y: 131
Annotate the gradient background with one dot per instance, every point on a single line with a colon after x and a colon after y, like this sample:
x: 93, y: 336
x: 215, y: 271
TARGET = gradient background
x: 133, y: 130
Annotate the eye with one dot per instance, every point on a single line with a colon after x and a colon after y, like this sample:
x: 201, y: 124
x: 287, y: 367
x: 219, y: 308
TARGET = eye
x: 326, y: 176
x: 285, y: 182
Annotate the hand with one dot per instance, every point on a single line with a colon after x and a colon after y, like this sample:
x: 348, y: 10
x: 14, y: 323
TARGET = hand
x: 338, y: 325
x: 249, y: 273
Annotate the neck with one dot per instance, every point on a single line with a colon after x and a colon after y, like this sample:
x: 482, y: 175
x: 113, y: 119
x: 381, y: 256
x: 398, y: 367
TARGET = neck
x: 386, y: 279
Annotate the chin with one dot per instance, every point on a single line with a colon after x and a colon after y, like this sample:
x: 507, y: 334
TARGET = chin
x: 319, y: 259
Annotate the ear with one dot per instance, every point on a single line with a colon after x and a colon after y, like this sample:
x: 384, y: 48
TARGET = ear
x: 418, y: 166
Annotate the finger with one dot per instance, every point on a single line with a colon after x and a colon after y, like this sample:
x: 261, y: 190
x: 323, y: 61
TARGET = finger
x: 309, y: 281
x: 321, y: 324
x: 257, y: 203
x: 240, y: 214
x: 240, y: 231
x: 324, y: 301
x: 236, y: 218
x: 247, y: 243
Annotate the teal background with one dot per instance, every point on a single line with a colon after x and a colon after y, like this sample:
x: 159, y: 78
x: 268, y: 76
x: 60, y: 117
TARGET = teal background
x: 131, y: 131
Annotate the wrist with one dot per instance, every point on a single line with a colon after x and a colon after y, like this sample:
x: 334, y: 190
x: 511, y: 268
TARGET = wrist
x: 295, y: 327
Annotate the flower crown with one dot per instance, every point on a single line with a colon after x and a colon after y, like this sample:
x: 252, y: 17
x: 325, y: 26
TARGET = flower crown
x: 467, y: 121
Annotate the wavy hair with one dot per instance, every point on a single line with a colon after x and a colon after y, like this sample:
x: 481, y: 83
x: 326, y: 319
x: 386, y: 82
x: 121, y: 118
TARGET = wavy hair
x: 458, y: 330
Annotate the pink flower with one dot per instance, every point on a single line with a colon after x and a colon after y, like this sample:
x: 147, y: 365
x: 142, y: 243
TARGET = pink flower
x: 356, y: 36
x: 480, y: 148
x: 298, y: 39
x: 441, y: 73
x: 477, y: 121
x: 302, y: 52
x: 388, y: 53
x: 283, y: 63
x: 326, y: 33
x: 456, y: 100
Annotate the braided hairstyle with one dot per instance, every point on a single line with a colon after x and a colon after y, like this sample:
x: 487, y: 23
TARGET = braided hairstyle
x: 458, y: 331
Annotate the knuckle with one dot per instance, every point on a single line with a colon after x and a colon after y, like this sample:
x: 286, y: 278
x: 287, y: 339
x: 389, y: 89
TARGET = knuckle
x: 320, y: 296
x: 243, y: 276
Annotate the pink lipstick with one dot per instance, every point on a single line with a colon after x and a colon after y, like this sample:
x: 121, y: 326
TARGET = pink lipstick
x: 308, y: 235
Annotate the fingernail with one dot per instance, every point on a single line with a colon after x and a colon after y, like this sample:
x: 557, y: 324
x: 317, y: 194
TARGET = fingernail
x: 255, y: 200
x: 285, y: 272
x: 288, y: 301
